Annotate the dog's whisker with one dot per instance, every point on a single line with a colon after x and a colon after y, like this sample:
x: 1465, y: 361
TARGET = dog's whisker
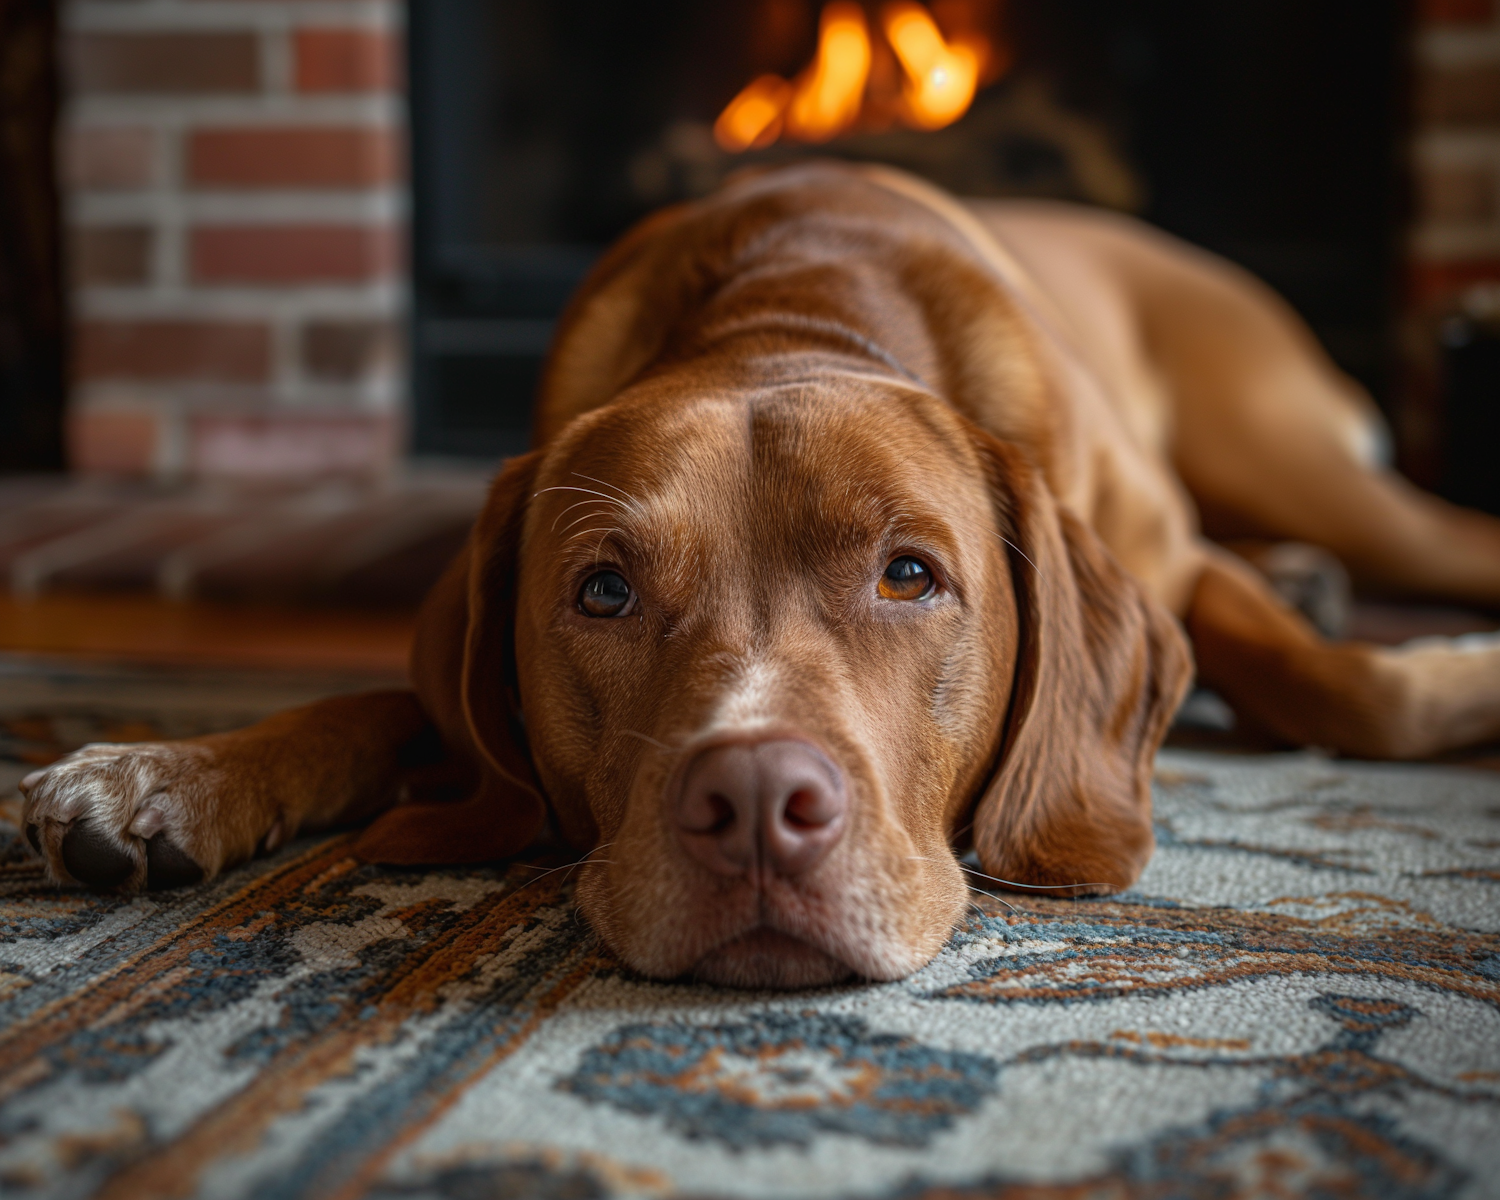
x: 549, y: 870
x: 998, y: 900
x: 599, y: 546
x: 631, y: 500
x: 615, y: 500
x: 539, y: 878
x: 564, y: 867
x: 573, y: 487
x: 1037, y: 887
x: 545, y: 871
x: 593, y: 512
x: 659, y: 745
x: 603, y: 532
x: 577, y: 504
x: 1021, y: 552
x: 992, y: 896
x: 979, y: 908
x: 588, y: 857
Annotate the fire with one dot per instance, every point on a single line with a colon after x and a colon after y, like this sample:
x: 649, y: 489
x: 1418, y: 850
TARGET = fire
x: 940, y: 79
x: 828, y: 98
x: 753, y: 118
x: 829, y: 93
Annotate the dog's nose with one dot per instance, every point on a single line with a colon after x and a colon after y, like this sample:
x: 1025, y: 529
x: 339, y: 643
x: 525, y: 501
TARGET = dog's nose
x: 780, y: 804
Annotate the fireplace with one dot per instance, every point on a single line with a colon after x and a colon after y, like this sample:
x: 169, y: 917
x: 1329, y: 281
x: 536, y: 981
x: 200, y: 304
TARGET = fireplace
x: 1270, y: 133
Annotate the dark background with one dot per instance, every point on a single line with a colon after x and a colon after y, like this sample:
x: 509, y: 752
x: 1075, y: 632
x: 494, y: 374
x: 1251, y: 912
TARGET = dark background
x: 32, y: 308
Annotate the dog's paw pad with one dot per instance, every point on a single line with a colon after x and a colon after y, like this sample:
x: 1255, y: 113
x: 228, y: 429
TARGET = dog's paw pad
x: 92, y: 858
x: 168, y: 865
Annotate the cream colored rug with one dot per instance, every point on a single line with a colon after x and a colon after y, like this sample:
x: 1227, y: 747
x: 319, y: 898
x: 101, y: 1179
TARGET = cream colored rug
x: 1300, y: 998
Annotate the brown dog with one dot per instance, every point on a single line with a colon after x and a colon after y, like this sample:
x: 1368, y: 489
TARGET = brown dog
x: 862, y: 529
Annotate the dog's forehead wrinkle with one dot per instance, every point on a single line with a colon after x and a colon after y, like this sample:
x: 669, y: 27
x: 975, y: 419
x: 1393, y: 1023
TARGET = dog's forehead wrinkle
x: 837, y: 452
x: 851, y: 454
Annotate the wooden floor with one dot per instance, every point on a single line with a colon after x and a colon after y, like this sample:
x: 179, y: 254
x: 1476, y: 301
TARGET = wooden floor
x: 144, y: 629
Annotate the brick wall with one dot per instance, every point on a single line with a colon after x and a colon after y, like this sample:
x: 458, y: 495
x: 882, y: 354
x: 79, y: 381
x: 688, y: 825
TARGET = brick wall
x: 1455, y: 237
x: 234, y: 174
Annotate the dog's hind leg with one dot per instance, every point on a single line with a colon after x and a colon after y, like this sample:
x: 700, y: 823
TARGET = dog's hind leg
x: 161, y: 814
x: 1274, y: 442
x: 1270, y: 439
x: 1293, y: 485
x: 1272, y: 667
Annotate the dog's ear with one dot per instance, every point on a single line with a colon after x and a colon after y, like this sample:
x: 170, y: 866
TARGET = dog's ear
x: 490, y: 686
x: 477, y: 646
x: 1100, y: 670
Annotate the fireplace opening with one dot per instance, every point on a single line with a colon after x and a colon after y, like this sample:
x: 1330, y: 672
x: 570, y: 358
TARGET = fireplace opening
x: 1270, y: 133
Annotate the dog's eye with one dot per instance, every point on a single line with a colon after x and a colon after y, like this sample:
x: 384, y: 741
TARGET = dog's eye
x: 605, y: 594
x: 906, y: 578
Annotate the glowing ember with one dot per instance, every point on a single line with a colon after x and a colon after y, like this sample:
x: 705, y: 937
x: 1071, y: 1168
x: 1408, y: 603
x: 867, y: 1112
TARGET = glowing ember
x: 828, y: 98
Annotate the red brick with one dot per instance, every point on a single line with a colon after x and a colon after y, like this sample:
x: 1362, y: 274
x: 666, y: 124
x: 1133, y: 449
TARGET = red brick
x: 272, y: 445
x: 110, y: 254
x: 1456, y: 12
x: 109, y: 157
x: 1430, y: 283
x: 347, y: 60
x: 296, y: 157
x: 113, y: 441
x: 164, y: 62
x: 1460, y: 95
x: 344, y: 351
x: 222, y: 351
x: 287, y: 254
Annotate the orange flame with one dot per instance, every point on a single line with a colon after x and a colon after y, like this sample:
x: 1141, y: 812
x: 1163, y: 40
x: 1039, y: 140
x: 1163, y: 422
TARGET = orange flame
x: 830, y: 91
x: 940, y: 78
x: 753, y: 118
x: 828, y: 97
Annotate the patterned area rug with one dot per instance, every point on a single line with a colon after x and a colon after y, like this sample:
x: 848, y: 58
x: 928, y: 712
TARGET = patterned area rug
x: 1300, y: 998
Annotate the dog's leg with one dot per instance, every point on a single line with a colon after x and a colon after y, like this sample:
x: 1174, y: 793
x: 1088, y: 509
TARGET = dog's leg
x: 161, y: 814
x: 1271, y: 440
x: 1274, y: 442
x: 1371, y: 701
x: 1386, y: 531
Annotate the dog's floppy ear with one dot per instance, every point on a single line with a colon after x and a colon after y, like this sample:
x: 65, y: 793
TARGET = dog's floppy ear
x: 491, y: 688
x: 1100, y: 671
x: 475, y: 649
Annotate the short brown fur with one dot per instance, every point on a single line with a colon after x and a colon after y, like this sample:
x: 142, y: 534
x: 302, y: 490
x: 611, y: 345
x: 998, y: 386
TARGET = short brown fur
x: 752, y: 406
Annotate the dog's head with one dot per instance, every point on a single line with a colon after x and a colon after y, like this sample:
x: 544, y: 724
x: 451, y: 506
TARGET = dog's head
x: 773, y: 657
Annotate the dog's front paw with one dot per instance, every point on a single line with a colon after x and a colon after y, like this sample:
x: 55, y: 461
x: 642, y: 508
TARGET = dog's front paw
x: 128, y: 817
